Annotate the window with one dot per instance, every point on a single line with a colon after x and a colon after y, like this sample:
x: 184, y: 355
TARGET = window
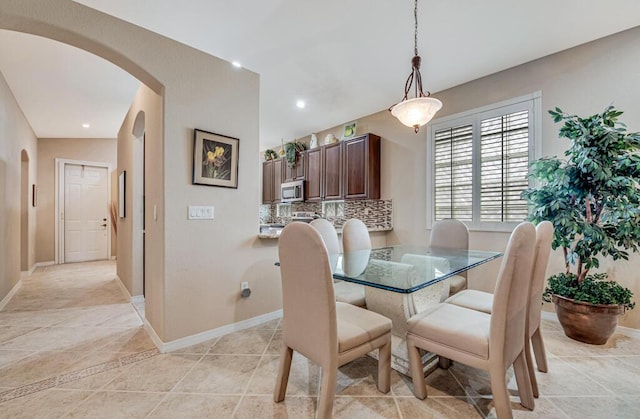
x: 479, y: 161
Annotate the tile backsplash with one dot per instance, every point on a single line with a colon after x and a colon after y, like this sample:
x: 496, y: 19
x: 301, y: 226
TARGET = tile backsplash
x: 377, y: 214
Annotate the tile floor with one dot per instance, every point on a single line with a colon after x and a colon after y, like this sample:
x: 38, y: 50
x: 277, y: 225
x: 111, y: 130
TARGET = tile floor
x: 71, y: 346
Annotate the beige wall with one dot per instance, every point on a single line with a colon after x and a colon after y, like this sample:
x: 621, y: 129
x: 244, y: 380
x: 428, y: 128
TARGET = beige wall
x: 582, y: 80
x: 16, y: 135
x: 50, y: 149
x: 198, y: 265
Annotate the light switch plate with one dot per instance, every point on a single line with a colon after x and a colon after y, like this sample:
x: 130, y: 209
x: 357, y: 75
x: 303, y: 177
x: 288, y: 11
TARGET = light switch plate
x: 198, y: 212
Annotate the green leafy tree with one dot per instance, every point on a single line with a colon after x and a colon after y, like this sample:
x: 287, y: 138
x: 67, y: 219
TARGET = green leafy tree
x: 593, y: 197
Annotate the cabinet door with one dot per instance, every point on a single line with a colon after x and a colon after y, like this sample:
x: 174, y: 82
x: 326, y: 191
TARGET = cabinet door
x: 267, y: 182
x: 333, y: 171
x: 278, y: 167
x: 299, y: 172
x: 313, y: 185
x: 362, y: 167
x: 296, y: 172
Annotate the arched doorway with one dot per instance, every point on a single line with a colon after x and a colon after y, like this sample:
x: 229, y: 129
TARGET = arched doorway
x: 139, y: 220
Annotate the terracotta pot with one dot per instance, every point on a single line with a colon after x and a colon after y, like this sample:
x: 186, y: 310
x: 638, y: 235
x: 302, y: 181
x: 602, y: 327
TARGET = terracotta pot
x: 585, y: 322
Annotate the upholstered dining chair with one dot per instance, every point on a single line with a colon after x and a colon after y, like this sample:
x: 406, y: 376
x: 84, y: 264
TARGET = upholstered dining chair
x: 327, y: 332
x: 483, y: 301
x: 489, y: 342
x: 355, y: 236
x: 346, y: 292
x: 451, y: 234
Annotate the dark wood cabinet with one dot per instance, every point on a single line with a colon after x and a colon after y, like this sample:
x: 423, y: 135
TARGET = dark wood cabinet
x: 314, y: 188
x: 348, y: 169
x: 297, y: 171
x: 362, y: 167
x: 324, y: 173
x: 272, y: 173
x: 267, y: 182
x: 333, y: 171
x: 278, y: 171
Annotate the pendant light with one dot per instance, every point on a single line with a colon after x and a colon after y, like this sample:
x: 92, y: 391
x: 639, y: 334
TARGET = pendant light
x: 419, y: 110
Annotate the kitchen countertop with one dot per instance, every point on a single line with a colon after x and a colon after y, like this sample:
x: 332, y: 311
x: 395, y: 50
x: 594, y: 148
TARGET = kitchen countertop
x: 275, y: 233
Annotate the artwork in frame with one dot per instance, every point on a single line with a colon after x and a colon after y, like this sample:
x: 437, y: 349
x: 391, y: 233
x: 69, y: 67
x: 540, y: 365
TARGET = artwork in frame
x: 349, y: 130
x: 34, y: 195
x: 121, y: 193
x: 215, y: 159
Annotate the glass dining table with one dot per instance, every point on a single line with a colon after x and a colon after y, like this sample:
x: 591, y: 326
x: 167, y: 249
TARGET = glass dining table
x: 401, y: 281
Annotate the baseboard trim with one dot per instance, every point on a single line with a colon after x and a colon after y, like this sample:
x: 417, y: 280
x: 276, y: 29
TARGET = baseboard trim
x: 137, y: 299
x: 10, y: 295
x: 623, y: 330
x: 209, y: 334
x: 47, y: 263
x: 123, y: 288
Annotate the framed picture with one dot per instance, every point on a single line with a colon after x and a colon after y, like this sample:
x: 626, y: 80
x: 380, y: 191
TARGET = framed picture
x: 34, y: 195
x: 349, y: 130
x: 121, y: 193
x: 215, y: 159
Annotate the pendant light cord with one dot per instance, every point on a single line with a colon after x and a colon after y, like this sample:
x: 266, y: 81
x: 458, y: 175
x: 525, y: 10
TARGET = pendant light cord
x: 415, y: 34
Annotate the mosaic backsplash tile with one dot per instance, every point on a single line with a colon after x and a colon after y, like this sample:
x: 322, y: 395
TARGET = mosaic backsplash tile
x: 377, y: 214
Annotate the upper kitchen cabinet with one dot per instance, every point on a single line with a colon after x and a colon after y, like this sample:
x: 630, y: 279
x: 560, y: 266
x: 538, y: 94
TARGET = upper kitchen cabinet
x: 272, y: 172
x: 362, y: 167
x: 324, y: 173
x: 333, y: 171
x: 314, y: 185
x: 296, y: 172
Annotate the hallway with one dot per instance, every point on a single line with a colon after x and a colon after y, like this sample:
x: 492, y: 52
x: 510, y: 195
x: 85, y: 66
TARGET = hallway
x: 72, y: 346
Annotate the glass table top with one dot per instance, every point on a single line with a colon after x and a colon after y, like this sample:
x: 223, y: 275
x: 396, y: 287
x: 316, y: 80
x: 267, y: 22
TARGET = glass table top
x: 405, y: 268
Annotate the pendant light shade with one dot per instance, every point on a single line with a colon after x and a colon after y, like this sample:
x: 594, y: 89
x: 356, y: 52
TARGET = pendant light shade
x: 418, y: 111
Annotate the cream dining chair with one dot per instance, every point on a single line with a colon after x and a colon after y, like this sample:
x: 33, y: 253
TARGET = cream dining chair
x: 483, y: 301
x: 489, y: 342
x: 327, y: 332
x: 346, y: 292
x: 451, y: 234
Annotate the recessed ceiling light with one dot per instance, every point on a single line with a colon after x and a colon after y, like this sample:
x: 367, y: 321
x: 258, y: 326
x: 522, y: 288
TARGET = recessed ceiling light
x: 300, y: 104
x: 236, y: 64
x: 86, y: 126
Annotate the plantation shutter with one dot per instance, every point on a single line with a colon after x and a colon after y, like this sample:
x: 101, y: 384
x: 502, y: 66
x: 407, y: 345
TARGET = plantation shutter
x: 504, y: 159
x: 453, y: 173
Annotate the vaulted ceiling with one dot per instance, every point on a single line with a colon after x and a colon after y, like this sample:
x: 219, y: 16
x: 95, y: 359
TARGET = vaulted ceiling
x: 345, y: 59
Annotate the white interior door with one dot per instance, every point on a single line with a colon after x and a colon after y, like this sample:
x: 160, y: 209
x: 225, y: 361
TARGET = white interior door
x: 86, y: 226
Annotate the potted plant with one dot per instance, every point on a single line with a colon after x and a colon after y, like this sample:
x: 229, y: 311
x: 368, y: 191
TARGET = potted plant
x: 593, y: 200
x: 291, y: 149
x: 270, y: 154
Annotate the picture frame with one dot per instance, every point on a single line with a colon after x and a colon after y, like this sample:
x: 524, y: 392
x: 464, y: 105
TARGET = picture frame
x: 121, y: 194
x: 349, y: 130
x: 215, y: 159
x: 34, y: 195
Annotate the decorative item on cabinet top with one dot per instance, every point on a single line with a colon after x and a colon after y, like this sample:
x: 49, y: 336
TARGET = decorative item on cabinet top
x: 349, y: 130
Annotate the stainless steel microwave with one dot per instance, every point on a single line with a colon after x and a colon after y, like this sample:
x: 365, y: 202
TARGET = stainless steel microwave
x: 292, y: 191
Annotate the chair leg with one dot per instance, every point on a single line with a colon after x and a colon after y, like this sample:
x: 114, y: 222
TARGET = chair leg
x: 443, y: 362
x: 539, y: 351
x: 524, y: 382
x: 327, y: 392
x: 384, y: 367
x: 417, y: 373
x: 283, y: 374
x: 532, y: 373
x: 500, y: 393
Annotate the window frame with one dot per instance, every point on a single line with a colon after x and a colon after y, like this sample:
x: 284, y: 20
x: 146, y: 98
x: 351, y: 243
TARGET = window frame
x: 531, y: 102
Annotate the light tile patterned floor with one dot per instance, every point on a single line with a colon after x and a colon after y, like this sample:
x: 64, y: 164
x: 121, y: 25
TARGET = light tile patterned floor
x: 72, y: 346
